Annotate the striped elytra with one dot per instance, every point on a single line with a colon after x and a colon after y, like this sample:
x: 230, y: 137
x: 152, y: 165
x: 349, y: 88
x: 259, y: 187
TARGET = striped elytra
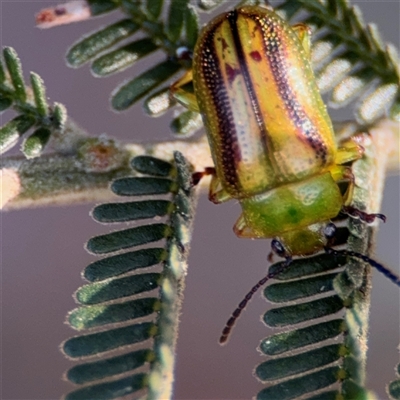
x: 260, y: 103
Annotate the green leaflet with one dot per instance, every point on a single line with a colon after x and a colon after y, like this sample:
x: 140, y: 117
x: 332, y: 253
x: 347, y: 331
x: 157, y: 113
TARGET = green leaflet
x: 122, y: 263
x: 34, y: 145
x: 176, y: 15
x: 89, y: 47
x: 126, y: 95
x: 107, y: 301
x: 32, y: 111
x: 100, y: 342
x: 122, y: 58
x: 93, y: 371
x: 14, y: 68
x: 110, y: 390
x: 186, y: 124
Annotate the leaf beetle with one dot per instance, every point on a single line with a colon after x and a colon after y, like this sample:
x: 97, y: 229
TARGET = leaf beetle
x: 271, y: 138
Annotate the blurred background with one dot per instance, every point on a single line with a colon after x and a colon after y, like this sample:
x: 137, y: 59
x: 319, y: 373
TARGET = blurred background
x: 42, y: 250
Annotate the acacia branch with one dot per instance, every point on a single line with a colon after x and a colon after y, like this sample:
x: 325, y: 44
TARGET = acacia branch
x: 81, y: 170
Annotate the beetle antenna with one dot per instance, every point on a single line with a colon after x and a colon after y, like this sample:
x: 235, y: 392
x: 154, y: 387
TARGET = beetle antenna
x: 242, y: 305
x: 385, y: 271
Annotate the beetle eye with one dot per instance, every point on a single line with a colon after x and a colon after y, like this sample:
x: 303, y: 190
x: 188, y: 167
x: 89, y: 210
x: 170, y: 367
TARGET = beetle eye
x: 277, y: 248
x: 330, y: 230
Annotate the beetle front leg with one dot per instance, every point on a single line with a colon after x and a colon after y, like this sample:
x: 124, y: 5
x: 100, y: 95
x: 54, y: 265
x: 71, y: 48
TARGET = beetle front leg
x: 351, y: 149
x: 182, y: 90
x: 242, y: 230
x: 216, y: 194
x: 340, y: 173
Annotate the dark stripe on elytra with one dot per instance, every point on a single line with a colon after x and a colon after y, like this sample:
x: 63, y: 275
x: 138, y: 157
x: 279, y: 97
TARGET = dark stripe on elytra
x: 275, y: 54
x: 232, y: 18
x: 211, y: 69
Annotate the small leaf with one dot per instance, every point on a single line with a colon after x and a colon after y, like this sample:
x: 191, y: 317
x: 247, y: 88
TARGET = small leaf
x: 374, y: 104
x: 87, y: 345
x: 186, y: 123
x: 151, y: 166
x: 191, y: 26
x: 286, y: 366
x: 98, y: 315
x: 142, y: 186
x: 122, y: 263
x: 5, y: 102
x: 309, y: 266
x: 283, y: 292
x: 330, y: 395
x: 288, y: 9
x: 127, y: 238
x: 296, y: 387
x: 96, y: 370
x: 394, y: 389
x: 95, y: 293
x: 208, y: 4
x: 290, y: 315
x: 122, y: 58
x: 321, y: 51
x: 98, y: 7
x: 122, y: 212
x: 177, y: 10
x: 129, y: 93
x: 2, y: 73
x: 11, y: 132
x: 34, y: 145
x: 351, y: 87
x: 110, y: 390
x: 87, y: 48
x: 154, y: 8
x: 374, y: 38
x: 59, y: 116
x: 14, y: 68
x: 291, y: 340
x: 39, y: 93
x: 158, y: 103
x: 333, y: 73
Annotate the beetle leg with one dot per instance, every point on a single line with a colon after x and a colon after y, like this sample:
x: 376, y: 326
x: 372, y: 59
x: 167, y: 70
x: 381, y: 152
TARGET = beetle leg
x: 362, y: 215
x: 242, y: 230
x: 341, y: 173
x: 216, y: 194
x: 198, y: 176
x: 182, y: 90
x: 303, y: 32
x: 351, y: 149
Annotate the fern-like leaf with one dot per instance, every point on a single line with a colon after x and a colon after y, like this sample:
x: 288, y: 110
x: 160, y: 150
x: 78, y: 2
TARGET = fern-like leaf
x: 166, y: 27
x: 114, y: 294
x: 351, y: 60
x: 31, y: 106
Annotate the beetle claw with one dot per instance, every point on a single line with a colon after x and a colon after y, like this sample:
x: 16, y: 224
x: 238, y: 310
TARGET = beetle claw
x: 362, y: 215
